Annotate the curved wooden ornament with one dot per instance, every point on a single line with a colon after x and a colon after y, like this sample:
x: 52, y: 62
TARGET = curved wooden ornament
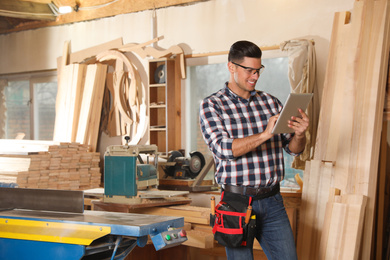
x: 126, y: 91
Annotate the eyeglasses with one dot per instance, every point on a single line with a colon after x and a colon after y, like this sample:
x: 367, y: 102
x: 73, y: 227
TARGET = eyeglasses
x: 250, y: 70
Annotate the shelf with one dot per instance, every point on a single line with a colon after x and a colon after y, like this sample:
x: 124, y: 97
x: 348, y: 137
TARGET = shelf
x: 157, y: 129
x: 164, y: 104
x: 157, y: 106
x: 157, y: 85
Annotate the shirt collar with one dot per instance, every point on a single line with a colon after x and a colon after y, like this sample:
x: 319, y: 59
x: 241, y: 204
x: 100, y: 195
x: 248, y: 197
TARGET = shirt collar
x: 229, y: 92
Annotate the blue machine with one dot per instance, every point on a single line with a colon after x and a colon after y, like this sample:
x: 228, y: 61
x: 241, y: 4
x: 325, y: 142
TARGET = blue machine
x: 125, y: 171
x: 68, y: 234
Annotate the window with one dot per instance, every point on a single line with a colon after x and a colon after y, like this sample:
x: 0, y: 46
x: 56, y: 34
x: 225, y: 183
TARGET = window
x: 30, y: 107
x: 207, y: 75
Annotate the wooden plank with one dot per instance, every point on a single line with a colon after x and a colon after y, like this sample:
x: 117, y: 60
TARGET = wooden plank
x: 380, y: 213
x: 94, y: 120
x: 327, y: 222
x: 335, y: 228
x: 336, y: 124
x: 61, y: 63
x: 345, y: 146
x: 304, y: 211
x: 76, y: 90
x: 186, y: 183
x: 61, y: 102
x: 353, y: 225
x: 345, y: 227
x: 71, y: 85
x: 199, y: 239
x: 77, y: 99
x: 14, y: 164
x: 86, y: 105
x: 315, y: 194
x: 137, y: 208
x: 191, y: 214
x: 330, y: 83
x: 18, y: 147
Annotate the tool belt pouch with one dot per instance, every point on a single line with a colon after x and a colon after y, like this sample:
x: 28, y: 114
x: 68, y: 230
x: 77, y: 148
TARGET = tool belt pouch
x: 228, y: 223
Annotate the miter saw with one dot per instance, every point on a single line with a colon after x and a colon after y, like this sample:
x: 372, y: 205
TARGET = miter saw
x: 180, y: 167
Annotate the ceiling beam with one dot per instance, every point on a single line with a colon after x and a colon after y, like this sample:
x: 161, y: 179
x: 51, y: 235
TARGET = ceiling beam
x: 116, y: 7
x: 37, y: 1
x: 95, y: 9
x: 26, y: 10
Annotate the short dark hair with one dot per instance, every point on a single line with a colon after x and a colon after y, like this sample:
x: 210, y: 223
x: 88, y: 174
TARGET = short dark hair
x: 241, y: 49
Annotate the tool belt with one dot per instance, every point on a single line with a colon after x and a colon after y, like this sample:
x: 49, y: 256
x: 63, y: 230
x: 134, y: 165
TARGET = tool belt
x: 257, y: 193
x: 229, y: 227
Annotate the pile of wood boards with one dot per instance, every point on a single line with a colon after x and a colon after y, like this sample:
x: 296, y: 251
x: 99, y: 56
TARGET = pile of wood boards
x: 14, y: 156
x: 340, y: 183
x: 66, y: 166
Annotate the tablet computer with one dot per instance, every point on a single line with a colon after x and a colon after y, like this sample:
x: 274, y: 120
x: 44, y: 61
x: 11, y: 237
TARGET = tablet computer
x: 294, y: 101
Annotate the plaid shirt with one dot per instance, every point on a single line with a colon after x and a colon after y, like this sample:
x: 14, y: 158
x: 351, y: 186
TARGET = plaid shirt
x: 224, y: 116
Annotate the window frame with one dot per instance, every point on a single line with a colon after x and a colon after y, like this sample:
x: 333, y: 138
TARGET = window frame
x: 32, y: 78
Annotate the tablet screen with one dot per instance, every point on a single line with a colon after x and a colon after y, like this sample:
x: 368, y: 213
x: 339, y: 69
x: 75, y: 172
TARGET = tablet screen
x: 294, y: 101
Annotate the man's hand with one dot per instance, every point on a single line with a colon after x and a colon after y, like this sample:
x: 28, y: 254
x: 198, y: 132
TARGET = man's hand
x: 271, y: 124
x: 299, y: 124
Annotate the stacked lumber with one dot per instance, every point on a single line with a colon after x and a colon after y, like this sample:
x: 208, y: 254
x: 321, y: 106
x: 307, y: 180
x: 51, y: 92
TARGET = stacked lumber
x: 348, y: 141
x: 14, y: 156
x: 67, y: 166
x: 10, y: 165
x: 18, y: 147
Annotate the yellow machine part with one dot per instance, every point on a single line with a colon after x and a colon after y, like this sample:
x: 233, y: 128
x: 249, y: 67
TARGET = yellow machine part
x: 68, y: 233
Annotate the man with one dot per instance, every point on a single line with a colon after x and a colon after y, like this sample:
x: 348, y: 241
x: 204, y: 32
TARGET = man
x: 236, y: 123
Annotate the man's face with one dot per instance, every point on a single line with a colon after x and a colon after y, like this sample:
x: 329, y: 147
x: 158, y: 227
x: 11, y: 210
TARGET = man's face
x: 244, y: 79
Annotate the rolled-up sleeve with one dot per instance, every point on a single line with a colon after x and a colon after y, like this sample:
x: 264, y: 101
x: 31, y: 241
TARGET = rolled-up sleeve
x: 286, y: 142
x: 214, y: 131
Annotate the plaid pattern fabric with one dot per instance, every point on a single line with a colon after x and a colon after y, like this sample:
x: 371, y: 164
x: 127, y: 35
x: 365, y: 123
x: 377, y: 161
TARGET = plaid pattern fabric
x: 225, y: 116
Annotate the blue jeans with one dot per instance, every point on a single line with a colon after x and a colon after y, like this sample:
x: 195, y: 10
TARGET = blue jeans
x: 273, y: 231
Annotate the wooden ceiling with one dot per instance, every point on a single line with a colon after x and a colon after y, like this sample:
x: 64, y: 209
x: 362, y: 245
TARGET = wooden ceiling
x: 19, y: 15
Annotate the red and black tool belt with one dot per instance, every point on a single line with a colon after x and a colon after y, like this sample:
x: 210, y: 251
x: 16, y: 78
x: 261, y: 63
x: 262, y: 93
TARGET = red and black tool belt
x: 229, y: 227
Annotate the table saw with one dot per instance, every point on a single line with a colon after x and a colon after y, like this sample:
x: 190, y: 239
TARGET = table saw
x: 51, y: 224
